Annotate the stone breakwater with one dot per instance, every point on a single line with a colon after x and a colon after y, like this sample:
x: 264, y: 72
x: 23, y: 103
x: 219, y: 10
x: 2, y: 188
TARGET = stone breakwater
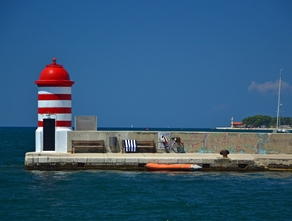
x: 248, y: 152
x: 137, y: 161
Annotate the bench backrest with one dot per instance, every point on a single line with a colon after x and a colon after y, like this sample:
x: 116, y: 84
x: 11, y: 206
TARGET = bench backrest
x: 88, y: 146
x: 140, y: 146
x: 88, y: 142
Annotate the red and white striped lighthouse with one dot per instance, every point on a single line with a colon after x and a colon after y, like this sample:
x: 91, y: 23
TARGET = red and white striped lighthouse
x: 54, y: 106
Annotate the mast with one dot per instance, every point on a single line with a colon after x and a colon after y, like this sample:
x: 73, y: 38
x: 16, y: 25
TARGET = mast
x: 279, y: 97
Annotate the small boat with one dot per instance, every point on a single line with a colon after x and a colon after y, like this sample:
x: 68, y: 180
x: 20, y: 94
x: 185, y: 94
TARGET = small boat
x: 173, y: 167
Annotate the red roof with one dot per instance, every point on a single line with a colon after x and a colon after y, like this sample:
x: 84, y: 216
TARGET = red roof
x: 54, y: 75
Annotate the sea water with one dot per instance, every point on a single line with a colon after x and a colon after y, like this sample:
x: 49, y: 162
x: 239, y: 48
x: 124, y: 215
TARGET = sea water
x: 125, y: 195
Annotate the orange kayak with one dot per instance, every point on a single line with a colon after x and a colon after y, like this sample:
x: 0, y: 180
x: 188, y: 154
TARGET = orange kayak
x: 178, y: 166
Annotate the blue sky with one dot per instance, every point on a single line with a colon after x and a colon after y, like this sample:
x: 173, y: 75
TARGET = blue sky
x: 154, y: 63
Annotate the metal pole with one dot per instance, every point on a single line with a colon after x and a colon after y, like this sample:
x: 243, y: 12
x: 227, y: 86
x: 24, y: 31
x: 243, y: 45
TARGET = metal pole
x: 279, y: 97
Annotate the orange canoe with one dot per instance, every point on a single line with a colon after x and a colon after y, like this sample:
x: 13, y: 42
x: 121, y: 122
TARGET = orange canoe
x: 178, y: 167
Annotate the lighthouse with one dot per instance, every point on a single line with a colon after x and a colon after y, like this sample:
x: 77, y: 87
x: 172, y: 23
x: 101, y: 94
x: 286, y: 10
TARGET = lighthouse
x: 54, y: 109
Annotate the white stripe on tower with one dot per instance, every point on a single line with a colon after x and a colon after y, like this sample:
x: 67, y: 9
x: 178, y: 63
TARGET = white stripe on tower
x: 54, y: 90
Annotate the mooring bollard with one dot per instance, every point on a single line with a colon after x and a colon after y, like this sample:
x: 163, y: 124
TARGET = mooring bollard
x: 224, y: 153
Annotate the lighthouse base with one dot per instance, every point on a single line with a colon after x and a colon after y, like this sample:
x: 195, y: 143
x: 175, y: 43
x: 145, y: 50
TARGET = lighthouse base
x: 59, y: 145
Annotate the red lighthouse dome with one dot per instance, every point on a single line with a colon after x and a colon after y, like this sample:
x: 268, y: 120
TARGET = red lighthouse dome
x: 54, y: 75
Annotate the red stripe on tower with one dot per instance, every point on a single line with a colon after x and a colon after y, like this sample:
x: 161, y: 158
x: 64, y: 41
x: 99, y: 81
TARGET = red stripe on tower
x: 54, y: 110
x: 58, y: 124
x: 54, y: 97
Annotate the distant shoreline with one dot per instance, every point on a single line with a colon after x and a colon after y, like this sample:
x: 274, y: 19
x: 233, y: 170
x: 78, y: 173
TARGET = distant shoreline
x: 217, y: 129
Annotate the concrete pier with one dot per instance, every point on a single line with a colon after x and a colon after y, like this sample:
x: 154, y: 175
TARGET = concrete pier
x: 248, y: 152
x: 137, y: 161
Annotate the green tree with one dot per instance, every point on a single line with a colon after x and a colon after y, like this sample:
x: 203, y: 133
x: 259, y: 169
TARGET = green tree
x: 260, y: 120
x: 286, y: 121
x: 273, y: 122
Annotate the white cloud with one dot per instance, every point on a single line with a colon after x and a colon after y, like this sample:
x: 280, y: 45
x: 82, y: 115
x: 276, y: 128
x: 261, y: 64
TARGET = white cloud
x: 270, y: 87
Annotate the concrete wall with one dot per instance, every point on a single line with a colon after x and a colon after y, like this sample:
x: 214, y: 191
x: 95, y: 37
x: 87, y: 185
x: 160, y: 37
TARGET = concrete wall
x: 198, y: 142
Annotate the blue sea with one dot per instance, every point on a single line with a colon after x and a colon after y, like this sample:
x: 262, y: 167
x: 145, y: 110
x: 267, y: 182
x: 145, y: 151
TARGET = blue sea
x: 122, y: 195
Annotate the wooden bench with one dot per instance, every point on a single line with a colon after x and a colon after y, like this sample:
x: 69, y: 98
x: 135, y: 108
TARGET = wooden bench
x: 144, y: 146
x: 88, y: 146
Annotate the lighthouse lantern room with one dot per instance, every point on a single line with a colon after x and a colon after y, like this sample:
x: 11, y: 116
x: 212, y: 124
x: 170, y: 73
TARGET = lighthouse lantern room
x: 54, y: 109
